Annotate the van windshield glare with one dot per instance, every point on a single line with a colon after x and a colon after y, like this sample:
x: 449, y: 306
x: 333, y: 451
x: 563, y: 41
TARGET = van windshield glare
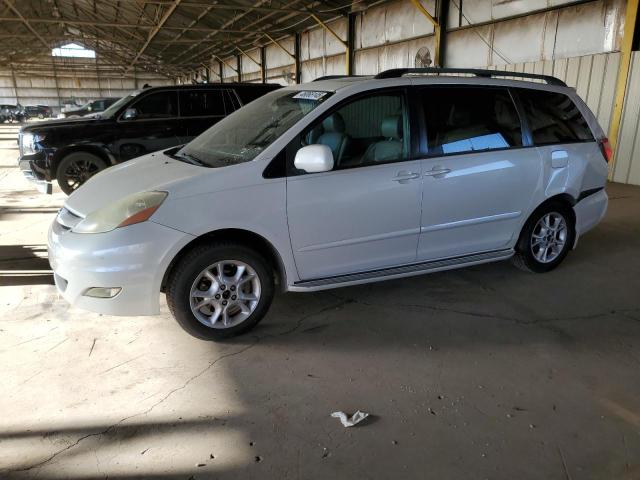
x: 241, y: 136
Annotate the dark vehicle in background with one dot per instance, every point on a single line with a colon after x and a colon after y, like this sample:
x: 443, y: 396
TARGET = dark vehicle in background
x: 37, y: 111
x: 12, y: 113
x: 94, y: 106
x: 72, y: 150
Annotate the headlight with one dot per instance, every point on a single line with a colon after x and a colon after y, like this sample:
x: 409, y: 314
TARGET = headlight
x: 131, y: 209
x: 29, y: 141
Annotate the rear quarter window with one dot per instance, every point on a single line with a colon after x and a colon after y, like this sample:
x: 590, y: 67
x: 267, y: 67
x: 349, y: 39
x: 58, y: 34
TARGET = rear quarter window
x: 553, y: 117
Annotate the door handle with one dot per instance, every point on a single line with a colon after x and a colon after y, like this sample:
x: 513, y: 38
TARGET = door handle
x: 559, y: 159
x: 437, y: 171
x: 404, y: 177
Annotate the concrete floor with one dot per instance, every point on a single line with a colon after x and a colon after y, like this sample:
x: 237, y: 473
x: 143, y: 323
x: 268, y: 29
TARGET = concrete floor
x: 480, y: 373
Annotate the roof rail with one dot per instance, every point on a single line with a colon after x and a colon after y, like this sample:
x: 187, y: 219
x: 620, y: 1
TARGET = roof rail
x: 399, y: 72
x: 334, y: 77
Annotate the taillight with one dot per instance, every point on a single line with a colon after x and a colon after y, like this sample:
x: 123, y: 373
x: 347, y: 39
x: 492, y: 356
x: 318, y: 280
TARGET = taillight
x: 607, y: 151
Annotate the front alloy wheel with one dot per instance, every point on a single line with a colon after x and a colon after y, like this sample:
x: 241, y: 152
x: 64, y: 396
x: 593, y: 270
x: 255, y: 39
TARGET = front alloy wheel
x: 219, y: 290
x: 225, y: 294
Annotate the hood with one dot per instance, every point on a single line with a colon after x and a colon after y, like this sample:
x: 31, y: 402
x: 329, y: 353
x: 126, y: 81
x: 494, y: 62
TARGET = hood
x: 61, y: 122
x: 155, y: 171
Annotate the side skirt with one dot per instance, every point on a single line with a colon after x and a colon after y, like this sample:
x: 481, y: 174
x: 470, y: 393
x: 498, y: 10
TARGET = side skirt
x: 400, y: 272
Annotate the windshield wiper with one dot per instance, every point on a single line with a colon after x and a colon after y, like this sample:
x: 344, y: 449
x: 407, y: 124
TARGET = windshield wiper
x: 189, y: 158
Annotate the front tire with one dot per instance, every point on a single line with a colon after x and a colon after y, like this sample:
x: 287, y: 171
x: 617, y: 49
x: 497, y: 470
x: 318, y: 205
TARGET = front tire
x: 546, y: 238
x: 219, y: 290
x: 76, y: 168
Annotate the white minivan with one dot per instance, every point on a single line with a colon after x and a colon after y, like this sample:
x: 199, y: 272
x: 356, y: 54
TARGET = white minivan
x: 332, y: 183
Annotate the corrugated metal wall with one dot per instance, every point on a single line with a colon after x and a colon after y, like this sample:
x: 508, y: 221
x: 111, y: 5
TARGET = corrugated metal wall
x: 627, y: 161
x: 70, y: 79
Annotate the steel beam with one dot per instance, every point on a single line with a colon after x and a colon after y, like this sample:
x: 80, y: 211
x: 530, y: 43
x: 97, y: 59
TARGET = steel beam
x: 249, y: 56
x: 277, y: 43
x: 436, y: 28
x: 347, y: 47
x: 26, y: 22
x: 630, y: 18
x: 155, y: 31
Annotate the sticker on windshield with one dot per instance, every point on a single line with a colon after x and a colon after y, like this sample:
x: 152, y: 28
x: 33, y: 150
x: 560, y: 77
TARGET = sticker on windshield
x: 309, y: 95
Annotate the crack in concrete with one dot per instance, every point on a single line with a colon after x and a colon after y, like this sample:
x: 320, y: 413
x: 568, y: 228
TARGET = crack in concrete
x: 520, y: 321
x: 114, y: 426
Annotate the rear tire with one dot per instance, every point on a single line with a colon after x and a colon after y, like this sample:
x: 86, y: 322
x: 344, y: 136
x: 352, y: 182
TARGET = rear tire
x: 76, y: 168
x: 220, y: 290
x: 546, y: 238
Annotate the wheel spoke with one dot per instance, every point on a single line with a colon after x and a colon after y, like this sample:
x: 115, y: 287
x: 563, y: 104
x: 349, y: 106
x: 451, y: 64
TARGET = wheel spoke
x: 215, y: 315
x: 244, y: 308
x: 247, y: 297
x: 246, y: 278
x: 202, y: 303
x: 240, y: 269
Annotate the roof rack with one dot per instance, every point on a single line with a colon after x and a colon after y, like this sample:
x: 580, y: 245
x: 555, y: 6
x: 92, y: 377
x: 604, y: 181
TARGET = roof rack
x: 334, y: 77
x: 399, y: 72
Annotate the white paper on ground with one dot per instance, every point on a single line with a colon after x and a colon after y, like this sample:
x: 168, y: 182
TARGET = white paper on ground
x: 350, y: 421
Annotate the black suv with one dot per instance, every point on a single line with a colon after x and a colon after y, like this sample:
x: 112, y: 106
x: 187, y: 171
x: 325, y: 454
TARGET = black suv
x: 73, y: 150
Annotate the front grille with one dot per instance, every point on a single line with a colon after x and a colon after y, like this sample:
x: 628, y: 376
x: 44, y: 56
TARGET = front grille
x: 66, y: 219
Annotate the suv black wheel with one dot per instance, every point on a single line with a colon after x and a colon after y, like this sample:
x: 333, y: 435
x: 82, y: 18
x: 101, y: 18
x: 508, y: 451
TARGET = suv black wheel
x: 220, y: 290
x: 546, y: 238
x: 76, y: 168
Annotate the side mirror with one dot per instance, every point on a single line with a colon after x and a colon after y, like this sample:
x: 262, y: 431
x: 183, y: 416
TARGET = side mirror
x: 314, y: 159
x: 130, y: 114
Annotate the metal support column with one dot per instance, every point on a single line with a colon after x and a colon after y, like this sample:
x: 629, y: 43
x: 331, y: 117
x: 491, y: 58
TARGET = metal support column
x: 630, y: 19
x: 239, y: 67
x: 351, y: 41
x: 263, y: 64
x: 296, y: 54
x: 220, y: 71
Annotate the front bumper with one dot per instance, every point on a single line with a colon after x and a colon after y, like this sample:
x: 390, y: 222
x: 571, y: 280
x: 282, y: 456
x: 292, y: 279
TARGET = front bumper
x: 133, y: 258
x: 31, y: 173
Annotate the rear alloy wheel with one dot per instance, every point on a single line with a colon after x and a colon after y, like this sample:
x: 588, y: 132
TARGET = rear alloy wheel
x: 219, y: 290
x: 76, y: 168
x: 546, y: 238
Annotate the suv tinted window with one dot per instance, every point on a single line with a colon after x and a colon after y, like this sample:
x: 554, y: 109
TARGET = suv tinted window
x: 553, y: 117
x: 248, y: 94
x: 467, y: 119
x: 157, y: 105
x: 200, y: 103
x: 369, y: 130
x: 231, y: 101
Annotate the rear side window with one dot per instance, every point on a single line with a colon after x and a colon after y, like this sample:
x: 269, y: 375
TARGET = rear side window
x: 469, y: 119
x: 201, y: 103
x: 157, y: 105
x: 553, y: 117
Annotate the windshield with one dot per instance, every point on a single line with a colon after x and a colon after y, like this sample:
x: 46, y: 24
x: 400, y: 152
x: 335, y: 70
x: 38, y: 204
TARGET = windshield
x: 241, y: 136
x: 112, y: 110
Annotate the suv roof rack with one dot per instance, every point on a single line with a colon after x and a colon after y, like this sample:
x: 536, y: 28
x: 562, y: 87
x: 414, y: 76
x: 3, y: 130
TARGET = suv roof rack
x: 478, y: 72
x: 334, y: 77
